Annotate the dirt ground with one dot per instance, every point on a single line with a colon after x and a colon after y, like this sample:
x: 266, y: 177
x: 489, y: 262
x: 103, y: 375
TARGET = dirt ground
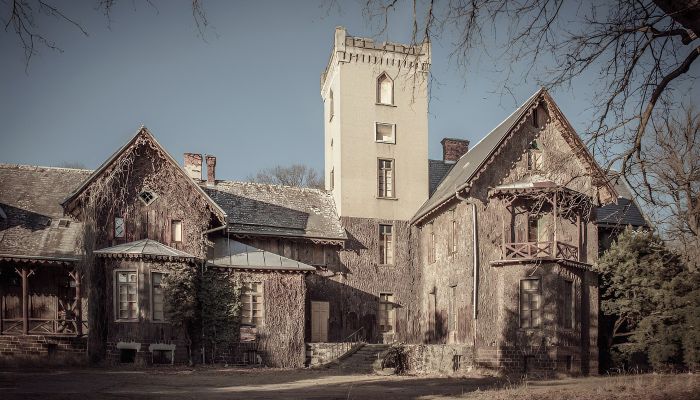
x: 179, y: 383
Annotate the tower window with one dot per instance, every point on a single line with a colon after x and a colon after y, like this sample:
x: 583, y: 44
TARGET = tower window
x: 386, y: 245
x: 332, y: 178
x: 331, y: 106
x: 385, y: 133
x: 530, y: 303
x: 385, y: 89
x: 385, y: 178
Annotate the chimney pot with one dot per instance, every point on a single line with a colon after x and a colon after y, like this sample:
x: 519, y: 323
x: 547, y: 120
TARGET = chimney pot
x: 211, y: 170
x: 193, y: 165
x: 453, y: 149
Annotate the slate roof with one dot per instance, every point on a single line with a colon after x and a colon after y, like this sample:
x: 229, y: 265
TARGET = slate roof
x: 30, y: 196
x: 625, y: 212
x: 145, y: 248
x: 437, y: 170
x: 276, y: 210
x: 468, y: 165
x: 242, y: 256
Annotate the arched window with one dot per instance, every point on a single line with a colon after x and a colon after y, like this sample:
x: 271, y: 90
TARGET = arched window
x: 385, y: 89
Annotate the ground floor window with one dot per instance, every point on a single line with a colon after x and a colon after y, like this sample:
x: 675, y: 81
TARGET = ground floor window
x: 530, y: 303
x: 253, y: 307
x: 127, y: 300
x: 387, y: 314
x: 157, y: 297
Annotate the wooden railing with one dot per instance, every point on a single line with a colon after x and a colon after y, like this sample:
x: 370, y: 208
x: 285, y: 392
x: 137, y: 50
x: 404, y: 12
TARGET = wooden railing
x: 525, y: 250
x: 42, y: 326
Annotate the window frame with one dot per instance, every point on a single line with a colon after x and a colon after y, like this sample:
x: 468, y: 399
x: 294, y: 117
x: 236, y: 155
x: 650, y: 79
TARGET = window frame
x: 386, y: 253
x: 154, y: 196
x: 331, y: 105
x: 152, y: 298
x: 386, y: 305
x: 393, y: 132
x: 123, y: 225
x: 538, y: 310
x: 172, y: 230
x: 115, y: 294
x: 535, y: 157
x: 570, y: 307
x: 383, y: 175
x: 245, y: 293
x: 378, y: 87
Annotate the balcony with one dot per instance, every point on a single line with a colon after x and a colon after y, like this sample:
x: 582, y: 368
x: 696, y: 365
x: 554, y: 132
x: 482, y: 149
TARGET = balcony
x: 535, y: 250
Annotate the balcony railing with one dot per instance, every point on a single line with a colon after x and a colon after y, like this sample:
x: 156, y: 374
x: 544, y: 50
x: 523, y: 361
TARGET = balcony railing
x: 525, y: 250
x: 42, y: 326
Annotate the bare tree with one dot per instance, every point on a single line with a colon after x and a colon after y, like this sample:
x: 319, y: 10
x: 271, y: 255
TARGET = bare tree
x: 640, y: 49
x: 294, y: 175
x: 675, y: 176
x: 21, y: 18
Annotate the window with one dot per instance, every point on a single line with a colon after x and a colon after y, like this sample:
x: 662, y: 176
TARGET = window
x: 332, y: 179
x: 385, y: 89
x: 385, y: 177
x: 176, y: 230
x: 536, y: 228
x: 119, y: 230
x: 453, y: 234
x: 452, y: 311
x: 534, y: 157
x: 431, y: 244
x: 386, y: 313
x: 331, y: 106
x: 127, y: 299
x: 530, y: 303
x: 386, y: 245
x: 568, y: 304
x: 385, y: 133
x: 252, y: 298
x: 147, y: 197
x: 535, y: 118
x: 157, y: 297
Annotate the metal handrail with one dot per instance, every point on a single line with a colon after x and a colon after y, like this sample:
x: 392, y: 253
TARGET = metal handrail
x: 345, y: 344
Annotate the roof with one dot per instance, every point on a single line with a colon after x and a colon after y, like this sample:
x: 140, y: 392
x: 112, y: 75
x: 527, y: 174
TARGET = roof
x: 468, y: 166
x: 276, y: 210
x: 625, y: 211
x: 437, y: 170
x: 143, y: 132
x: 238, y: 255
x: 145, y: 248
x: 30, y: 197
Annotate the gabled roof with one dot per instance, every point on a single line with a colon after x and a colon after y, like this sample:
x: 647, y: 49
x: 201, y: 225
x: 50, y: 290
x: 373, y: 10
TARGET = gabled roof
x: 145, y: 248
x: 259, y: 209
x: 35, y: 227
x: 625, y: 211
x: 469, y: 166
x: 144, y: 133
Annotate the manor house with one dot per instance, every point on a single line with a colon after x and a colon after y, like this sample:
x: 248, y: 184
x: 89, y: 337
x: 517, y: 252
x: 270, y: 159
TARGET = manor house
x: 484, y: 255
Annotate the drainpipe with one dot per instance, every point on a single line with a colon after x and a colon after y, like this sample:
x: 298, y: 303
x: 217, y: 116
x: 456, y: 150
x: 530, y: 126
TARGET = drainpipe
x: 475, y: 252
x: 203, y: 266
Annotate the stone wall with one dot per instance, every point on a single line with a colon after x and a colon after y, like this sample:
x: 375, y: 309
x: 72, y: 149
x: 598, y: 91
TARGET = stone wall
x: 39, y: 349
x: 440, y: 358
x: 323, y: 353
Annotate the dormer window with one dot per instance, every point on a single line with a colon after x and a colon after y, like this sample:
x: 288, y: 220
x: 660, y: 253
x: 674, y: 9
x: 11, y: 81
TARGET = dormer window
x: 385, y: 89
x: 534, y: 157
x: 147, y: 197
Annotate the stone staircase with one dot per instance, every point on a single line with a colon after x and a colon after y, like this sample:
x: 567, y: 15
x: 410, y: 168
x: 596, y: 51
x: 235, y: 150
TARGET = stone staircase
x: 365, y: 360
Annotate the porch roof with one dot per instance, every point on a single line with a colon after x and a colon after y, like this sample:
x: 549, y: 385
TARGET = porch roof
x: 237, y: 255
x: 145, y: 248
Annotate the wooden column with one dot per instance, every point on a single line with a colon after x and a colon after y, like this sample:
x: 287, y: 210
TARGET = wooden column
x: 24, y: 274
x: 578, y: 235
x: 78, y: 302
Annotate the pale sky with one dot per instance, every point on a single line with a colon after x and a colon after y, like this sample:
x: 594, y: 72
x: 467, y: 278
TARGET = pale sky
x: 248, y: 93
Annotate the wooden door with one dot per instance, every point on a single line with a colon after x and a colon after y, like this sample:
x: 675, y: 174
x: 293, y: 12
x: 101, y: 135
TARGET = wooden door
x: 319, y: 321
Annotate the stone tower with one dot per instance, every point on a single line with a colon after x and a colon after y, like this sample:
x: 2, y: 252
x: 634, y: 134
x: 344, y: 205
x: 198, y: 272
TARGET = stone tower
x: 376, y: 127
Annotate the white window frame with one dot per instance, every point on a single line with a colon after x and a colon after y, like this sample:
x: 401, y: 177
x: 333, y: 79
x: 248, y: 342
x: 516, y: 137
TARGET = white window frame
x: 386, y: 253
x: 379, y: 89
x: 172, y: 230
x: 245, y: 293
x: 393, y: 179
x: 115, y: 295
x: 153, y: 318
x: 393, y: 132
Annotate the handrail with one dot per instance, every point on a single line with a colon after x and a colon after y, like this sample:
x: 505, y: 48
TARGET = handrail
x: 342, y: 347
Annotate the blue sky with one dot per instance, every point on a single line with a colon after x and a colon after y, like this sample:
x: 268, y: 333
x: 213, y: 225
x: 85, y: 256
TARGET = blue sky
x: 248, y: 93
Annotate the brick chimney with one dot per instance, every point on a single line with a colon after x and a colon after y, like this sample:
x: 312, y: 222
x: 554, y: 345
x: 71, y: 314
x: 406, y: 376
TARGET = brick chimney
x: 193, y: 165
x: 211, y: 170
x: 453, y: 149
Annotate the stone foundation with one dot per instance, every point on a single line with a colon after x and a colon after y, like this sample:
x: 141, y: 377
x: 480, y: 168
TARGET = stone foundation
x: 323, y: 353
x: 440, y: 358
x: 42, y: 349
